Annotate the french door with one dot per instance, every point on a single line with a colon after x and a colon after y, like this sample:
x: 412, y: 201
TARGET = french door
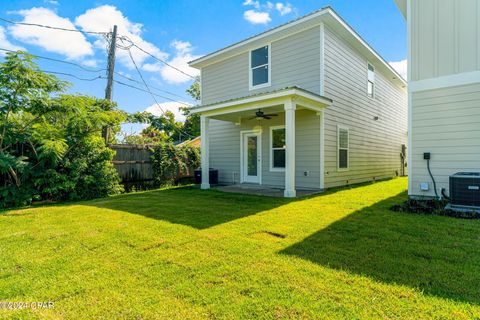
x: 252, y: 157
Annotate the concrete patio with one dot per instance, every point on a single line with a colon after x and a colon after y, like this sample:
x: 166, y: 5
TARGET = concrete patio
x: 255, y: 189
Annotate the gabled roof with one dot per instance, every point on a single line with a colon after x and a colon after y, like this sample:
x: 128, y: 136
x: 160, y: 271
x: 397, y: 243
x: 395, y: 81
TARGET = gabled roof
x: 402, y: 5
x: 326, y: 15
x: 261, y: 96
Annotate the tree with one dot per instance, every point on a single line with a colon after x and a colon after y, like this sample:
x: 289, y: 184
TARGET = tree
x: 164, y: 128
x: 50, y: 143
x: 192, y: 122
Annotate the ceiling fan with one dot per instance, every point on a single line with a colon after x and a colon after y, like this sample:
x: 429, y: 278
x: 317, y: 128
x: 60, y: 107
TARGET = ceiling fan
x: 259, y: 115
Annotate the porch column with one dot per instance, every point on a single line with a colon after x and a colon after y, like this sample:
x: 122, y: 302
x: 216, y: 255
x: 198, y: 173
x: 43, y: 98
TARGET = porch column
x: 204, y: 149
x: 290, y: 107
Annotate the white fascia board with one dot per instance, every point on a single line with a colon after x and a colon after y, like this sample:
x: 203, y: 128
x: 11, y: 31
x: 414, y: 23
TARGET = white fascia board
x: 264, y: 98
x: 402, y: 6
x: 321, y: 16
x: 199, y: 63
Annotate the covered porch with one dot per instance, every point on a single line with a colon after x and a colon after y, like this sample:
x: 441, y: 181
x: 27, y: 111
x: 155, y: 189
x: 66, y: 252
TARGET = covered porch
x: 256, y: 119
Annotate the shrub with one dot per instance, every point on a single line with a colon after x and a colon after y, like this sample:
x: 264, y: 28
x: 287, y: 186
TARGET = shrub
x: 51, y: 146
x: 170, y: 163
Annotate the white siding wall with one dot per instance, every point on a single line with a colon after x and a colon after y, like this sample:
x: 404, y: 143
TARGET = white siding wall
x: 445, y: 37
x: 295, y: 61
x: 445, y: 122
x: 375, y: 146
x: 225, y: 149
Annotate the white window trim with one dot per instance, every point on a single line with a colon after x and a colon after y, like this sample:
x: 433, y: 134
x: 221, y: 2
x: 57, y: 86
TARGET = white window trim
x: 368, y: 80
x: 250, y: 73
x: 260, y: 167
x: 340, y: 127
x: 270, y: 146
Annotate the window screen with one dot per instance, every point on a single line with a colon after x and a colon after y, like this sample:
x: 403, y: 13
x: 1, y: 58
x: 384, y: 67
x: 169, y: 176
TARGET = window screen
x: 343, y: 145
x: 370, y: 81
x: 259, y: 66
x: 278, y: 148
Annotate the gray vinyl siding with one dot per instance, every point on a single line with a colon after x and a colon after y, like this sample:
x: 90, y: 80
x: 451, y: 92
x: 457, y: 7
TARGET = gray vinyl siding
x: 225, y: 150
x: 445, y: 37
x: 375, y: 146
x: 445, y: 122
x: 294, y: 60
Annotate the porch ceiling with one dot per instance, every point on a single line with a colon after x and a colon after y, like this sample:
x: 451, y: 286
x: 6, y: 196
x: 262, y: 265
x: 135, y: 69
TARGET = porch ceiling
x: 273, y: 101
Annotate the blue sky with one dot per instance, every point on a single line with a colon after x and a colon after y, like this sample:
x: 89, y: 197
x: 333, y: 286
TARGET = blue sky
x: 175, y: 31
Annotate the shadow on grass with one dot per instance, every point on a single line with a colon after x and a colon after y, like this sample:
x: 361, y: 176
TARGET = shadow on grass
x: 188, y: 206
x: 438, y: 255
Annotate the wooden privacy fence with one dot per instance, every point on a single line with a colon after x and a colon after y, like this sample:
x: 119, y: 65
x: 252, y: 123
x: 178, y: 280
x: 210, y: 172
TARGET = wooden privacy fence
x: 133, y: 164
x: 136, y: 171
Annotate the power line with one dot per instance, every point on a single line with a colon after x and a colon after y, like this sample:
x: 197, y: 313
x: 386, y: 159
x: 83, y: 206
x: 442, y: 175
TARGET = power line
x: 72, y: 75
x: 131, y: 44
x: 51, y: 27
x: 57, y: 60
x: 152, y: 87
x: 143, y: 90
x: 163, y: 61
x: 149, y: 91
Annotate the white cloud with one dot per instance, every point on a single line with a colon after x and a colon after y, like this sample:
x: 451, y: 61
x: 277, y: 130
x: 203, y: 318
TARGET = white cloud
x: 103, y: 18
x: 255, y: 4
x: 73, y: 45
x: 261, y: 12
x: 90, y: 63
x: 52, y: 2
x: 283, y: 8
x: 156, y: 109
x: 256, y: 17
x: 400, y: 67
x: 183, y: 54
x: 5, y: 43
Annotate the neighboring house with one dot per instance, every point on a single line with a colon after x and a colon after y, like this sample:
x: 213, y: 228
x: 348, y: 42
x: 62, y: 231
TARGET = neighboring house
x: 339, y: 111
x: 195, y: 142
x: 444, y: 90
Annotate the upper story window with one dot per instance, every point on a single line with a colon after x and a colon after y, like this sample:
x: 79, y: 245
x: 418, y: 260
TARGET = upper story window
x: 277, y: 148
x: 371, y: 81
x: 260, y: 67
x: 343, y: 145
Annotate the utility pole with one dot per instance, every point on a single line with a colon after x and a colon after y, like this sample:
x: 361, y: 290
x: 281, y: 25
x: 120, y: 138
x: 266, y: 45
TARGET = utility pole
x: 110, y: 70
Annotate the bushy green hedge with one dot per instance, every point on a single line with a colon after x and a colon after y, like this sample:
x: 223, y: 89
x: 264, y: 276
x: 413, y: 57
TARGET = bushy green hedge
x: 170, y: 163
x: 51, y: 147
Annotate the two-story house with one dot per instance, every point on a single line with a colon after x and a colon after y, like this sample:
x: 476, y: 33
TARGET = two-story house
x: 306, y: 105
x: 443, y: 91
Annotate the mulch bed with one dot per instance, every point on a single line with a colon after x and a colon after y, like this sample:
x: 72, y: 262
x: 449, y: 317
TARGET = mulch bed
x: 432, y: 207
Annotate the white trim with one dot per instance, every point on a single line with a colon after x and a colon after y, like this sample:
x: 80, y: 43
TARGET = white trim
x: 373, y: 82
x: 342, y: 127
x: 290, y: 153
x: 322, y: 58
x: 327, y: 11
x: 270, y: 147
x: 402, y: 6
x: 322, y: 149
x: 453, y: 80
x: 263, y: 97
x: 250, y: 69
x: 258, y: 132
x: 201, y: 86
x: 204, y: 154
x: 410, y: 113
x: 257, y: 37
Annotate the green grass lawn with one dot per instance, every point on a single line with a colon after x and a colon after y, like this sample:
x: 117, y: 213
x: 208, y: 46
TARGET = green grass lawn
x: 187, y: 253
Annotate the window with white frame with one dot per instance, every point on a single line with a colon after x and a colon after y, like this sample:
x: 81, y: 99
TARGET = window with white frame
x: 343, y: 148
x: 370, y: 80
x: 260, y: 67
x: 277, y: 148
